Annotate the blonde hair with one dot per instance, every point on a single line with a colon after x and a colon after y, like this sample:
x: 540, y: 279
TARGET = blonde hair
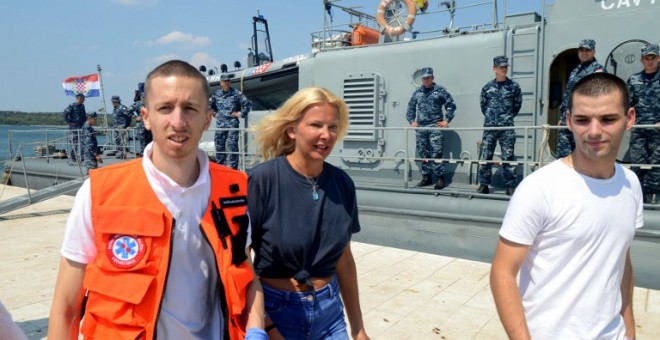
x: 271, y: 132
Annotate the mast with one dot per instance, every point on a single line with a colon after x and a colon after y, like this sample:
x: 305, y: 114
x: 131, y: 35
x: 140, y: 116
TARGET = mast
x: 105, y: 110
x: 495, y: 15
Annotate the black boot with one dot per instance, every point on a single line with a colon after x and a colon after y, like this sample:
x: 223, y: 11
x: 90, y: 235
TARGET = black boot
x: 648, y: 198
x: 426, y: 180
x: 440, y: 184
x: 510, y: 190
x: 483, y: 189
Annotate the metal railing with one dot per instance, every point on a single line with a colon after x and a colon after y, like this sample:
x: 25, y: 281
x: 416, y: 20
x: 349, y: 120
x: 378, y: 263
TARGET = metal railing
x: 535, y: 151
x: 336, y: 32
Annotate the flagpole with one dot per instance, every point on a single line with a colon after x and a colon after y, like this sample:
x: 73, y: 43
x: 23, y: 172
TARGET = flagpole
x: 105, y: 109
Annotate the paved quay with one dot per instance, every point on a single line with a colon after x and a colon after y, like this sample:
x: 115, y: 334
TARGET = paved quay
x: 404, y: 294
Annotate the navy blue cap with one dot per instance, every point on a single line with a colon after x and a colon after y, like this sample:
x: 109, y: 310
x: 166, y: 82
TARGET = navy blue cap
x: 115, y: 98
x: 427, y: 72
x: 649, y: 49
x: 587, y: 43
x: 224, y: 76
x: 80, y: 94
x: 91, y: 114
x: 500, y: 60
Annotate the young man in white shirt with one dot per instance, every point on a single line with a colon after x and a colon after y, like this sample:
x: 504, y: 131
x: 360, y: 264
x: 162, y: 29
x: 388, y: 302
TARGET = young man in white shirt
x: 568, y: 230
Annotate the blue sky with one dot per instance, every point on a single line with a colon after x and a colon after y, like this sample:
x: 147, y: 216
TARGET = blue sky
x: 44, y: 42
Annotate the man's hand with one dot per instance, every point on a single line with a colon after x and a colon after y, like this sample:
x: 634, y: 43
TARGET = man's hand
x: 442, y: 123
x: 236, y: 114
x: 414, y: 124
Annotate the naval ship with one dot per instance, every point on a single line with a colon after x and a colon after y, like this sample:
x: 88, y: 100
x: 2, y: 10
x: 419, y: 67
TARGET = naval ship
x: 374, y: 60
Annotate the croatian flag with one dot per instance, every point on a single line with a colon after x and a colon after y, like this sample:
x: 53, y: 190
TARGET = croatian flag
x: 87, y: 85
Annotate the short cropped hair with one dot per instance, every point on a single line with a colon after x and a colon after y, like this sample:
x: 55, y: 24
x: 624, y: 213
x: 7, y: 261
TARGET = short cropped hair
x: 174, y: 68
x: 272, y: 138
x: 598, y: 84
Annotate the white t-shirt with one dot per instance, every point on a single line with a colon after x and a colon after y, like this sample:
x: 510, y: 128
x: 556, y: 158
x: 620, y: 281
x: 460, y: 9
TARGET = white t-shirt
x: 579, y: 229
x: 190, y: 307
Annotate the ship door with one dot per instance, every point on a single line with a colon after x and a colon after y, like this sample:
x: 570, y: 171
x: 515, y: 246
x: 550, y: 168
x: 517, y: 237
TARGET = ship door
x: 560, y: 70
x: 623, y: 61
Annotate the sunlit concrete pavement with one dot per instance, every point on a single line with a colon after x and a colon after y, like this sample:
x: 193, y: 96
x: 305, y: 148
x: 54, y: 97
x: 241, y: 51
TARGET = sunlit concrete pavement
x: 404, y: 294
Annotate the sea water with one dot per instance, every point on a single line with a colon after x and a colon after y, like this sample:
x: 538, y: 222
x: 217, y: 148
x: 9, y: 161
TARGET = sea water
x: 17, y: 140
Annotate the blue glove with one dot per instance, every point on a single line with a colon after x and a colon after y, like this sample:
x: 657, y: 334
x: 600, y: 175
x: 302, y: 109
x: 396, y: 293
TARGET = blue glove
x: 256, y: 334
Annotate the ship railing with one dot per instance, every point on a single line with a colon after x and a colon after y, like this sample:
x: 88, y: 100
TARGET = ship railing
x: 56, y: 142
x: 338, y: 33
x: 534, y: 153
x: 330, y: 39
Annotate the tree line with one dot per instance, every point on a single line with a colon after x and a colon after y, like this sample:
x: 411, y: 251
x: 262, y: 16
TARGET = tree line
x: 31, y: 118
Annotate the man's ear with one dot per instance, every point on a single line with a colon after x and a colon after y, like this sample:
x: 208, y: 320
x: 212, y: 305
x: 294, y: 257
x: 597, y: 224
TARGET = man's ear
x: 631, y: 117
x: 145, y: 118
x: 569, y: 124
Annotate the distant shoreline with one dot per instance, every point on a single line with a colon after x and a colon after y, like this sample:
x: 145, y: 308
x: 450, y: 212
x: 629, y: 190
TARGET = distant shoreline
x: 36, y: 119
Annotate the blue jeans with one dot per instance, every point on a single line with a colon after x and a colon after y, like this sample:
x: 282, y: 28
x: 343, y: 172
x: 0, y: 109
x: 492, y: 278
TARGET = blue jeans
x: 307, y: 315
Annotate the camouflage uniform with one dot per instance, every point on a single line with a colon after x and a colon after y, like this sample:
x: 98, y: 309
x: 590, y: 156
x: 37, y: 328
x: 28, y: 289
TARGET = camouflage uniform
x: 500, y: 103
x: 90, y: 147
x: 645, y: 143
x: 565, y: 140
x: 74, y: 115
x: 121, y: 119
x: 223, y: 104
x: 144, y: 136
x: 425, y: 107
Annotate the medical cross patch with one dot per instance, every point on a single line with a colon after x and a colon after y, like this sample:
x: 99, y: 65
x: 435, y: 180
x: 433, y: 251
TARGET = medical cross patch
x: 125, y: 251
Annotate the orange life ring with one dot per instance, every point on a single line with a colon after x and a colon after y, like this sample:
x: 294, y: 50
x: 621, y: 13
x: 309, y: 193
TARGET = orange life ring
x: 398, y: 30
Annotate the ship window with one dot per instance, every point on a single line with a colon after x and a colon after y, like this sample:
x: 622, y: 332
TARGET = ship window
x: 362, y: 95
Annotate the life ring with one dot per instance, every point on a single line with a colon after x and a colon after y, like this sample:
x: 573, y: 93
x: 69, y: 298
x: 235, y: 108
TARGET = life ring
x: 398, y: 30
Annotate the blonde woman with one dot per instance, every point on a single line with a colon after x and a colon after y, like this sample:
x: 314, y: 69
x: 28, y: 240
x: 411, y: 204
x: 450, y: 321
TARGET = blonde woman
x: 303, y: 212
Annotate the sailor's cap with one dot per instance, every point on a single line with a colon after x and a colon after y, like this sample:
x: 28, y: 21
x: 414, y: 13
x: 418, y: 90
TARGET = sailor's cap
x: 427, y: 72
x: 224, y: 77
x: 649, y: 49
x: 91, y: 114
x: 115, y: 98
x: 500, y: 60
x: 589, y: 44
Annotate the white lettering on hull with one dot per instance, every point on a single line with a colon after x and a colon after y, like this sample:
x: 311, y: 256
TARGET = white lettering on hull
x: 618, y: 4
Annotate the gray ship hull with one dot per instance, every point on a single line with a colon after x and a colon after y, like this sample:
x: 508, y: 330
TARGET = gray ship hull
x: 376, y: 80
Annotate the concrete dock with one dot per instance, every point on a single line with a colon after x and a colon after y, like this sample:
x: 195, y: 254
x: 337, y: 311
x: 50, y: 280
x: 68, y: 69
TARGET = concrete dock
x: 404, y: 294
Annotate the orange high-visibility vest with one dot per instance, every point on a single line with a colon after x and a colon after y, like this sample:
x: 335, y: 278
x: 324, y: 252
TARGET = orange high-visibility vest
x: 132, y: 231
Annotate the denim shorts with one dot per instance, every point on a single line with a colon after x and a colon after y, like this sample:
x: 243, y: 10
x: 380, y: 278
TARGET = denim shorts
x: 307, y: 315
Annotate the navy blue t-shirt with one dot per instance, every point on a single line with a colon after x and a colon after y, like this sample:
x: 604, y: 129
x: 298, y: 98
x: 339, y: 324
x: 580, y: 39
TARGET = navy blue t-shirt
x: 290, y: 230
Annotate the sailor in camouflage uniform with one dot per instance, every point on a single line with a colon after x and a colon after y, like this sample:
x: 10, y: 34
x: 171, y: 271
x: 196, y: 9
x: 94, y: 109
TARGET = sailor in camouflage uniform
x: 500, y: 101
x: 91, y: 153
x: 121, y: 119
x: 74, y: 116
x: 425, y: 110
x: 588, y: 65
x: 228, y: 105
x: 144, y: 136
x: 644, y: 88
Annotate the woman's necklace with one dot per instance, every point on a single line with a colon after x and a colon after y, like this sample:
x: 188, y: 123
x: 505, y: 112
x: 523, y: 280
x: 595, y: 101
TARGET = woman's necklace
x: 315, y: 194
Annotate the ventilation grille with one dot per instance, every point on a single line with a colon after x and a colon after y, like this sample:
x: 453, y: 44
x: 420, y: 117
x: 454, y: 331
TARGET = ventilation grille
x: 361, y: 96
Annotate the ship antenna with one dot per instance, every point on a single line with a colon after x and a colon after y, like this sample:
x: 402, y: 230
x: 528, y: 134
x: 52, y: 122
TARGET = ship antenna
x: 105, y: 110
